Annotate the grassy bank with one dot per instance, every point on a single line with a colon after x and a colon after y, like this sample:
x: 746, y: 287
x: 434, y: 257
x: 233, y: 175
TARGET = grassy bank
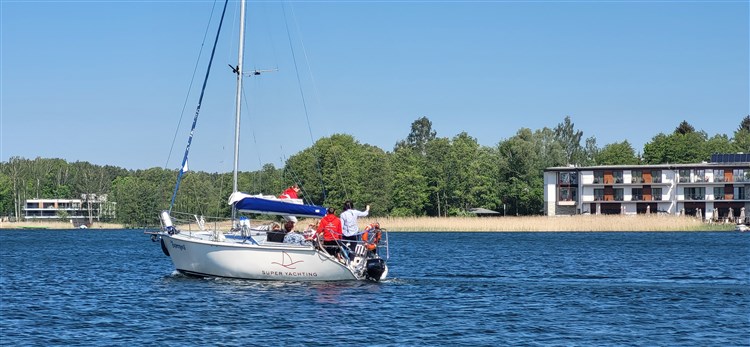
x: 543, y: 223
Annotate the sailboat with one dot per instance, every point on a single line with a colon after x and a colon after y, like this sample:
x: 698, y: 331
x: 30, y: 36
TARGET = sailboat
x: 244, y: 252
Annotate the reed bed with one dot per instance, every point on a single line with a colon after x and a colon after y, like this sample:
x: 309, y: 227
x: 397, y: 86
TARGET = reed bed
x: 580, y: 223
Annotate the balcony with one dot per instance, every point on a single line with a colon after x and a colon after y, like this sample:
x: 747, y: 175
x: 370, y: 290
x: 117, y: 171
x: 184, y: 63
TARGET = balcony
x: 684, y: 179
x: 598, y: 180
x: 598, y: 198
x: 618, y: 180
x: 656, y: 198
x: 636, y: 180
x: 636, y: 198
x: 719, y: 179
x: 694, y: 197
x: 656, y: 179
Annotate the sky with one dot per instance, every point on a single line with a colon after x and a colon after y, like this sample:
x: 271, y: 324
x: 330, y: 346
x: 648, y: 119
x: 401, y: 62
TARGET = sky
x: 109, y: 82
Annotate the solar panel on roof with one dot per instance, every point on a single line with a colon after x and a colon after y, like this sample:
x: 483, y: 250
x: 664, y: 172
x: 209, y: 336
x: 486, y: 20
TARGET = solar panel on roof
x: 730, y: 158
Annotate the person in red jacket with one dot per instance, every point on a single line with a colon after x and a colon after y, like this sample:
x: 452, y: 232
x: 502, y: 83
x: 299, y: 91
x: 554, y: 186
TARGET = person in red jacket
x: 290, y: 193
x: 330, y: 227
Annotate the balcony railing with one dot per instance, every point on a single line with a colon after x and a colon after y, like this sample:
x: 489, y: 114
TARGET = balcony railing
x: 618, y: 179
x: 684, y: 179
x: 618, y: 198
x: 636, y: 198
x: 719, y: 179
x: 694, y: 197
x: 656, y: 198
x: 656, y: 179
x: 636, y: 180
x: 598, y: 180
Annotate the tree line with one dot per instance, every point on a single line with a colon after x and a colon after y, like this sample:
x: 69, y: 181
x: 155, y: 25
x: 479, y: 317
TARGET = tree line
x: 424, y: 174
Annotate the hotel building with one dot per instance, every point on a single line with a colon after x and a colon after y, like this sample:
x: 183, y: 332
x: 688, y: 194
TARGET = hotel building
x: 716, y: 190
x: 91, y: 207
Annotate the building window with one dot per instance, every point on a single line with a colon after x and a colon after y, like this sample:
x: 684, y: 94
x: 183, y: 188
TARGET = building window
x: 718, y: 175
x: 598, y: 194
x: 684, y: 176
x: 656, y: 194
x: 567, y: 178
x: 696, y: 193
x: 618, y: 176
x: 718, y: 193
x: 656, y: 176
x: 740, y: 193
x: 700, y: 175
x: 637, y: 176
x: 741, y: 175
x: 598, y: 177
x: 636, y: 194
x: 567, y: 194
x: 618, y: 194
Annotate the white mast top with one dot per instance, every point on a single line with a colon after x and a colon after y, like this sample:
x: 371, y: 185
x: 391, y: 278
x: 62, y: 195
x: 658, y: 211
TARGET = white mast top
x: 238, y: 105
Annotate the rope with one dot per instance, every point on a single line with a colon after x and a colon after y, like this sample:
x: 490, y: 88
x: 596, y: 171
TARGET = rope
x: 198, y: 108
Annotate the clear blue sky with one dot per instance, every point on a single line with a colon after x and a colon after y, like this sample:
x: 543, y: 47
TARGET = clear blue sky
x: 105, y: 81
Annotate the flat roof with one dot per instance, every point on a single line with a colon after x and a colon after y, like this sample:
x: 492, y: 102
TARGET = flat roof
x: 651, y: 166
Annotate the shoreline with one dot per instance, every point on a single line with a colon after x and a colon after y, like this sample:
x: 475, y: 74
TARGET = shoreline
x: 578, y: 223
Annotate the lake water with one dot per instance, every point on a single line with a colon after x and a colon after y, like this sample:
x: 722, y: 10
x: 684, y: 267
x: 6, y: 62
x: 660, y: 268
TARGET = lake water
x: 104, y: 288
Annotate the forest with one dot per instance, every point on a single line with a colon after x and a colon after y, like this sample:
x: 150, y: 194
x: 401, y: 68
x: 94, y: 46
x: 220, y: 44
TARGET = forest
x: 423, y: 175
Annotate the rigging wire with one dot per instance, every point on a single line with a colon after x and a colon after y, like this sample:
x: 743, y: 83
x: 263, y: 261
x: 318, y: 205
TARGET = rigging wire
x: 315, y: 92
x: 255, y: 140
x: 198, y: 108
x: 304, y: 101
x: 190, y: 88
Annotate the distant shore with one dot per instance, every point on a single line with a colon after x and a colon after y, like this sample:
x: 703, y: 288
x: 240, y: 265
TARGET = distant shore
x: 56, y: 225
x: 580, y: 223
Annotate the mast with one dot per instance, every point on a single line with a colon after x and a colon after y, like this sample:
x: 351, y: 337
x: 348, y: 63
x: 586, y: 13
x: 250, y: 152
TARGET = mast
x: 238, y: 103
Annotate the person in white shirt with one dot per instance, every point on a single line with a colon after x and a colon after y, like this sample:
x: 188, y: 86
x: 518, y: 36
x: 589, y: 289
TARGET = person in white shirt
x: 349, y: 223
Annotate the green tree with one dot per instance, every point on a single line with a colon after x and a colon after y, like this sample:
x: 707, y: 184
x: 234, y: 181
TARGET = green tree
x: 617, y: 153
x: 741, y: 137
x: 684, y: 128
x: 719, y: 143
x: 421, y: 134
x: 6, y: 195
x: 678, y: 147
x: 570, y: 140
x: 410, y: 190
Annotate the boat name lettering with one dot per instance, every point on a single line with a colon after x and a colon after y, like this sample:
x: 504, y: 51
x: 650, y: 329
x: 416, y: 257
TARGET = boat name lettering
x: 290, y: 273
x: 176, y: 245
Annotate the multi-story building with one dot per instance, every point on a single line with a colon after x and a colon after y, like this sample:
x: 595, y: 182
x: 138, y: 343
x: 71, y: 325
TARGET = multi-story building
x: 80, y: 211
x: 715, y: 190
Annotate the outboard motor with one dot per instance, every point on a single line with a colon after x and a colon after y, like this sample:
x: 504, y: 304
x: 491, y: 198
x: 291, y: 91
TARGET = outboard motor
x: 375, y: 269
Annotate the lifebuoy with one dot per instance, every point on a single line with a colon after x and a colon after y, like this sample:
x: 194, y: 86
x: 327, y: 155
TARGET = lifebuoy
x: 371, y: 243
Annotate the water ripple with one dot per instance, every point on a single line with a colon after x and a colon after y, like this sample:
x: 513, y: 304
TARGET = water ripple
x: 102, y: 288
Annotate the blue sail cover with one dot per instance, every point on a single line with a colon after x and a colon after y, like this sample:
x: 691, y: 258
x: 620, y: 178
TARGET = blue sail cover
x: 266, y: 206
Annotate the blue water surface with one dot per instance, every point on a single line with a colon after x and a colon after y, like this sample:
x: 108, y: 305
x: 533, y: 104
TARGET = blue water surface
x: 104, y: 288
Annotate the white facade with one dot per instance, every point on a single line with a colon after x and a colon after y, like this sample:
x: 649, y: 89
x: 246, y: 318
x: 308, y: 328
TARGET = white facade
x: 714, y: 191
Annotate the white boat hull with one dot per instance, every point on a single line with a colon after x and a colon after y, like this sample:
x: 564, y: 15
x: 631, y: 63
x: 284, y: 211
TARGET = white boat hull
x: 197, y: 255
